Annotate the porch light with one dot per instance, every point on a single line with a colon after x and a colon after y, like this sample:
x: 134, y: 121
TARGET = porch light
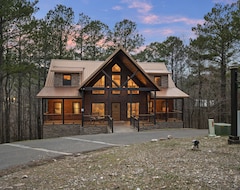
x: 13, y: 100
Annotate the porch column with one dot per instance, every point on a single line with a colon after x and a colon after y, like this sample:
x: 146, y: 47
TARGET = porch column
x: 183, y: 111
x: 62, y: 111
x: 83, y: 105
x: 155, y: 107
x: 166, y: 111
x: 131, y: 103
x: 109, y: 101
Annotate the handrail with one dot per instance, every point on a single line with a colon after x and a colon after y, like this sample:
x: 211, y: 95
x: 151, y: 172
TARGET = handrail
x: 110, y: 122
x: 135, y: 122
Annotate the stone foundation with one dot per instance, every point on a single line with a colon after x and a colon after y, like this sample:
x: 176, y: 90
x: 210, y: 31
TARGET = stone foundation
x: 162, y: 125
x: 90, y: 130
x: 53, y: 131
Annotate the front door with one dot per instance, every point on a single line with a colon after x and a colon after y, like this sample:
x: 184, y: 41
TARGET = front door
x: 116, y: 111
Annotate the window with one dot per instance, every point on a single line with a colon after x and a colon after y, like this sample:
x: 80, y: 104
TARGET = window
x: 150, y: 107
x: 132, y: 84
x: 99, y: 84
x: 98, y: 109
x: 116, y: 68
x: 67, y: 80
x: 135, y: 109
x: 76, y: 107
x: 117, y: 80
x: 158, y: 81
x: 57, y: 107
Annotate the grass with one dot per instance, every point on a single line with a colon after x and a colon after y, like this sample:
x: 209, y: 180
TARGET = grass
x: 165, y: 164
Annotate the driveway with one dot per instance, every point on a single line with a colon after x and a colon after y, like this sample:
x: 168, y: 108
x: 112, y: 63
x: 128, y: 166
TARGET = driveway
x: 25, y: 152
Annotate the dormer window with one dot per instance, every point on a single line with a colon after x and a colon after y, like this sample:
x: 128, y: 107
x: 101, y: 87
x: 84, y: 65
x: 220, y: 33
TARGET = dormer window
x: 67, y: 78
x: 158, y: 80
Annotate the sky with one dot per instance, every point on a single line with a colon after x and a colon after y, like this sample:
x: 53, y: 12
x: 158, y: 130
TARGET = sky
x: 155, y: 19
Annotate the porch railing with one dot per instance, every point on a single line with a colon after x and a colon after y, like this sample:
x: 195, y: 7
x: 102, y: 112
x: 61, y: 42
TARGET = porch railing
x: 142, y: 120
x: 174, y: 115
x: 69, y: 118
x: 95, y: 120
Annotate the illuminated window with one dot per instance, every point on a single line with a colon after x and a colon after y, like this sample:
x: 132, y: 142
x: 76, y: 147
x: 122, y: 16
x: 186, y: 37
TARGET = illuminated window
x: 117, y: 80
x: 76, y: 107
x: 57, y: 107
x: 157, y: 80
x: 116, y: 68
x: 98, y: 109
x: 135, y: 109
x: 99, y: 84
x: 150, y: 107
x: 67, y: 80
x: 132, y: 84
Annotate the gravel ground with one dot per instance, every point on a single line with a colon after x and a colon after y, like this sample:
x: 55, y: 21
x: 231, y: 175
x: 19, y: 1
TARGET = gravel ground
x: 162, y: 164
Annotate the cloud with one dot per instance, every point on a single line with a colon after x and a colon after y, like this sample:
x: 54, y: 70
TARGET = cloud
x: 155, y: 19
x: 147, y: 17
x: 150, y: 19
x: 225, y: 1
x: 142, y: 7
x: 117, y: 8
x: 160, y: 32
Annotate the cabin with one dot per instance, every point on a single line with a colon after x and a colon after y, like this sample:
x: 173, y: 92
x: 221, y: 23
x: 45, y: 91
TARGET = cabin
x: 88, y: 97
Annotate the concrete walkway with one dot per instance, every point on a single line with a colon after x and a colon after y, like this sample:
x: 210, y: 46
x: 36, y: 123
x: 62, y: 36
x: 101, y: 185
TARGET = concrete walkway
x: 123, y: 127
x: 25, y: 152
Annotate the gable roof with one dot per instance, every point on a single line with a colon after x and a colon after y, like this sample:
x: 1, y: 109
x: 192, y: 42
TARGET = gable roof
x: 89, y: 69
x: 130, y: 63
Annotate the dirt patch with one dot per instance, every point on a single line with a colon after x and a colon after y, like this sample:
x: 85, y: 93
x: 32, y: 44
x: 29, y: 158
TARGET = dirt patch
x: 162, y: 164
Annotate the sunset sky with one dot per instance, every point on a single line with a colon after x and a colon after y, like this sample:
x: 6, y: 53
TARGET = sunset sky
x: 155, y: 19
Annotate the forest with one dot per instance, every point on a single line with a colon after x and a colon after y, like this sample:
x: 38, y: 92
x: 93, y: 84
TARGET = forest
x: 27, y: 45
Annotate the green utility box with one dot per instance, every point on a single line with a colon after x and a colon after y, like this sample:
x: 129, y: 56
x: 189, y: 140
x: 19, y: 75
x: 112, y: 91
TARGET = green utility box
x: 222, y: 129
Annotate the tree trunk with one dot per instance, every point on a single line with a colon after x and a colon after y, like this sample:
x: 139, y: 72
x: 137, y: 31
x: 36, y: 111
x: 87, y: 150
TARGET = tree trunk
x: 223, y: 89
x: 7, y: 110
x: 30, y: 106
x: 1, y: 82
x: 19, y: 94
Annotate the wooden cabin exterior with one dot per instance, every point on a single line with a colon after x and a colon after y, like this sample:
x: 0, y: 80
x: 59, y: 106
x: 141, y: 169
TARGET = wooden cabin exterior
x: 85, y: 92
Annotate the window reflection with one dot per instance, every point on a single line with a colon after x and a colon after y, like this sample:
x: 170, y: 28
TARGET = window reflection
x: 99, y: 84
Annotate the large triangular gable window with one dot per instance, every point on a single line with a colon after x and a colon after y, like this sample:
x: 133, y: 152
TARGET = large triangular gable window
x: 132, y: 84
x: 99, y: 84
x: 116, y: 77
x: 116, y: 68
